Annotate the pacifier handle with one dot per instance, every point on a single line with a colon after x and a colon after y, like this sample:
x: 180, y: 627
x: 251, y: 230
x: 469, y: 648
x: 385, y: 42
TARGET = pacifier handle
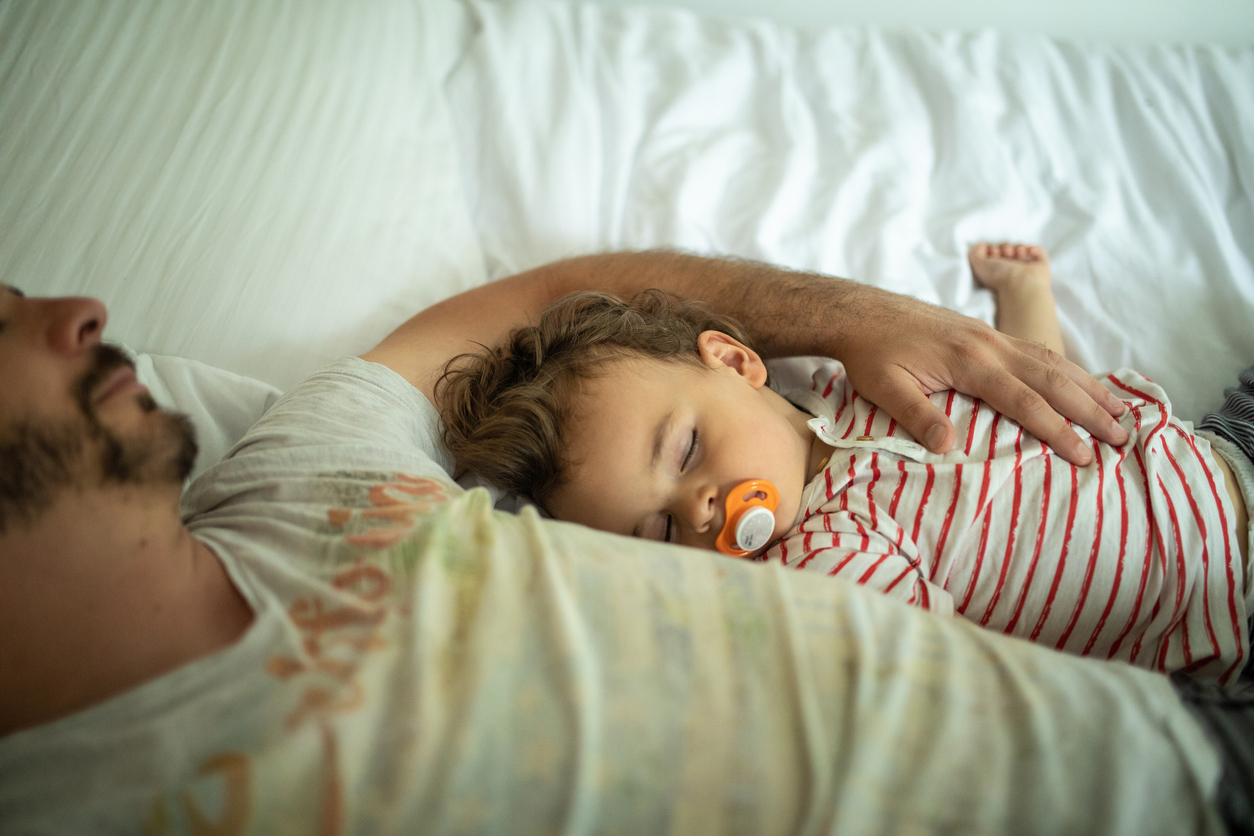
x: 750, y: 519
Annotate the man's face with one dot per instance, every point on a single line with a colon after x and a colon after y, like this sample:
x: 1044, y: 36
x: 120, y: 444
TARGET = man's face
x: 72, y: 414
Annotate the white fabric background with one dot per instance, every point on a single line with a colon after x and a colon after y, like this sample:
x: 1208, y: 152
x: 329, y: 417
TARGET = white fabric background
x: 882, y: 157
x: 258, y: 186
x: 1112, y: 21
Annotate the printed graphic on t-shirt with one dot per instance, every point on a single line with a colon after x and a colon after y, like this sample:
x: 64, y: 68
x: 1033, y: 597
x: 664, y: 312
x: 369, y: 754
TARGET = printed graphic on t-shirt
x: 338, y: 632
x: 394, y: 504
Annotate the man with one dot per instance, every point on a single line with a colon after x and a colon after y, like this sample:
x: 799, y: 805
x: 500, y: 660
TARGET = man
x: 333, y: 638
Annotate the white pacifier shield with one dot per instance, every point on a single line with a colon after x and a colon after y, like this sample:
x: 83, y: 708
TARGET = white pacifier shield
x: 754, y: 528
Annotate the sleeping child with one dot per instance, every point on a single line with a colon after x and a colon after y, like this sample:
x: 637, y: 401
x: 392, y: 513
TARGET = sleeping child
x: 653, y: 418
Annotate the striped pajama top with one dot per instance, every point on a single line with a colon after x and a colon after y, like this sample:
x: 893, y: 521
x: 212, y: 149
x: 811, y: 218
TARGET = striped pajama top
x: 1133, y: 557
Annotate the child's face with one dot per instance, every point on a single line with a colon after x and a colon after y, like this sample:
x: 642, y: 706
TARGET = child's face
x: 656, y: 446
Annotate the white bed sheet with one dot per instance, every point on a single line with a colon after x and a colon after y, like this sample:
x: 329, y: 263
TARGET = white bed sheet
x: 261, y: 187
x: 881, y: 156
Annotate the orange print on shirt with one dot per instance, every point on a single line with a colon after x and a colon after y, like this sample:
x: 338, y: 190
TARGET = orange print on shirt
x: 395, y: 508
x: 335, y: 640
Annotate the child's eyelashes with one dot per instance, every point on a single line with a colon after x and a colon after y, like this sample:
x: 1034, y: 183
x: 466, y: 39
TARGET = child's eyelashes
x: 664, y: 527
x: 692, y: 449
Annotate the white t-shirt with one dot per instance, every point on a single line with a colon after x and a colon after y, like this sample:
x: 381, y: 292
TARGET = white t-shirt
x: 420, y: 663
x: 1134, y: 557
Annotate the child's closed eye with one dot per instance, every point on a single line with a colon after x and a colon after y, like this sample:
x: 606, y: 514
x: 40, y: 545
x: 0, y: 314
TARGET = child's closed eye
x: 692, y: 449
x: 661, y: 528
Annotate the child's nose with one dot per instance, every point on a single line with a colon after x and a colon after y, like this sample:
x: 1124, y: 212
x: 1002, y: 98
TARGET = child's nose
x: 702, y: 509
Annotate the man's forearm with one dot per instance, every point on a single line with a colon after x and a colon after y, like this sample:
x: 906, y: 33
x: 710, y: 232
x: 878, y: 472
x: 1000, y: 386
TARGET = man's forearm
x: 896, y: 350
x: 786, y: 312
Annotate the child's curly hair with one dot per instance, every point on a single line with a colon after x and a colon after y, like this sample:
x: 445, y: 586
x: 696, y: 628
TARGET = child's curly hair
x: 506, y: 410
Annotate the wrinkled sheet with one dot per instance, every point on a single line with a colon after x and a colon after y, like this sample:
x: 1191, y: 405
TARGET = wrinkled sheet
x: 261, y: 187
x: 881, y: 156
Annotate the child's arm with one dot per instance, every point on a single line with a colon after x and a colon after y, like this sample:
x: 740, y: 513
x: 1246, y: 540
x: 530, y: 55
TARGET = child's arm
x: 1019, y: 276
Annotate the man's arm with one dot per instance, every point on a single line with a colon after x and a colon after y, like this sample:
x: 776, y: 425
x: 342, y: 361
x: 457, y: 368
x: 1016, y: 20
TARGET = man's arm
x: 896, y: 350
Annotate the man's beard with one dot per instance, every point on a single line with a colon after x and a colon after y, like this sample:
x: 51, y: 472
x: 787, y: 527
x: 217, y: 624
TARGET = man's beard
x: 39, y: 460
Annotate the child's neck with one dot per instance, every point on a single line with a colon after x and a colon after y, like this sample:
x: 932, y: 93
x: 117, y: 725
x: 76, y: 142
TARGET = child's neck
x: 820, y: 455
x: 819, y: 451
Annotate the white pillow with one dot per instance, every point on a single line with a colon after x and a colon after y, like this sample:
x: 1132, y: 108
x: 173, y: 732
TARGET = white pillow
x: 257, y: 186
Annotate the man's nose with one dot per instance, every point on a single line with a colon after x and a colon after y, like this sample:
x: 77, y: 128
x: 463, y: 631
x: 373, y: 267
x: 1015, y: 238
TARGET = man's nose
x: 73, y: 323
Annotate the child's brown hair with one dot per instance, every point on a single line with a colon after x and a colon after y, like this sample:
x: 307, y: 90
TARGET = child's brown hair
x: 506, y: 410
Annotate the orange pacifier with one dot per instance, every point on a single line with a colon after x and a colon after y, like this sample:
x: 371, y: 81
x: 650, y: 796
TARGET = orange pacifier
x: 750, y: 519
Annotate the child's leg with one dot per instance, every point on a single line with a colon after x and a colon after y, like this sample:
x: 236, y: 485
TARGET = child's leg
x: 1234, y: 423
x: 1019, y: 276
x: 1235, y: 419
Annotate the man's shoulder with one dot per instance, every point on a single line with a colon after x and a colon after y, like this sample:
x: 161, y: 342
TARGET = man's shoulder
x: 351, y: 403
x: 353, y: 426
x: 362, y: 379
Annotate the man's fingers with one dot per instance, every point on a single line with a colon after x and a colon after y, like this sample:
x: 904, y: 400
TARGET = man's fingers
x: 1016, y: 400
x: 1092, y: 387
x: 898, y: 394
x: 1015, y: 397
x: 1041, y: 387
x: 1026, y: 381
x: 1075, y: 394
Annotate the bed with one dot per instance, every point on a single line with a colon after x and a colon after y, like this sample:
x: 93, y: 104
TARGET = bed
x: 253, y: 191
x: 256, y: 188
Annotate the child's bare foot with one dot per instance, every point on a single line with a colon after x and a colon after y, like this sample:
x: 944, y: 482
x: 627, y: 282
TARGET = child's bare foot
x: 1002, y: 267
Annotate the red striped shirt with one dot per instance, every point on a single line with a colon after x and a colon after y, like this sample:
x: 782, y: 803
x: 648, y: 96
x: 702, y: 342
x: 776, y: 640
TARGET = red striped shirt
x: 1130, y: 558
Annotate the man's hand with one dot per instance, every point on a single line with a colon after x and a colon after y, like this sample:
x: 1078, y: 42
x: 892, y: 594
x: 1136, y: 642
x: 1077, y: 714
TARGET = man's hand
x: 904, y: 349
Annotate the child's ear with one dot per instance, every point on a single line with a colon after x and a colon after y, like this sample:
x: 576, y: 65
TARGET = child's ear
x: 718, y: 349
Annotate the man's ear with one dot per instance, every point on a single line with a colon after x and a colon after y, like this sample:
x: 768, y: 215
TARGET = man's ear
x: 718, y: 349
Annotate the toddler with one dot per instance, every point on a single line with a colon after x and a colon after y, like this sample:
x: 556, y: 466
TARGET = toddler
x: 653, y: 418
